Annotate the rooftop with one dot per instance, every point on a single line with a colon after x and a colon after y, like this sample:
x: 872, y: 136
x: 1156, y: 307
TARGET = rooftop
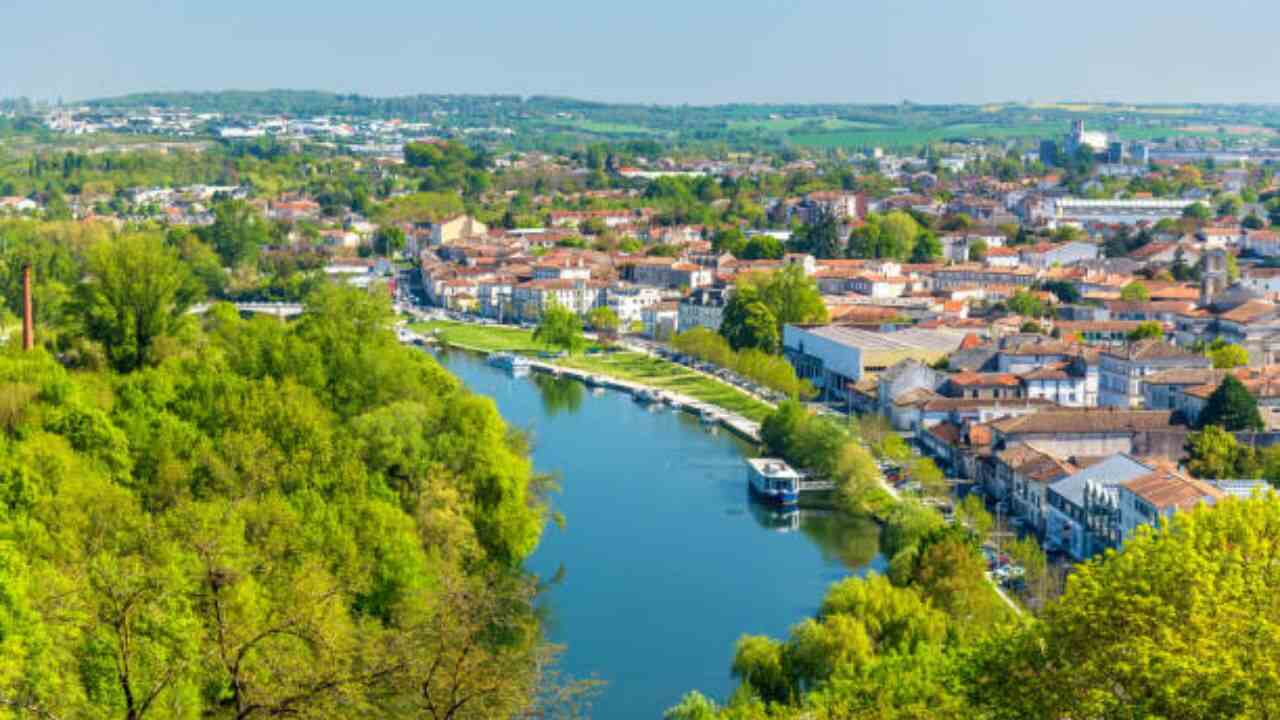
x: 1085, y: 420
x: 1168, y: 489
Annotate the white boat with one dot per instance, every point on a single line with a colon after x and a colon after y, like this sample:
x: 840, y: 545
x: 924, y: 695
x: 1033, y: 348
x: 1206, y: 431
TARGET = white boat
x: 646, y: 396
x: 773, y: 481
x: 509, y: 361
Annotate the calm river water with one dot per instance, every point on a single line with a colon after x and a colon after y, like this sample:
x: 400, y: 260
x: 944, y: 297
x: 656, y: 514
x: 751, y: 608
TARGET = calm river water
x: 663, y: 561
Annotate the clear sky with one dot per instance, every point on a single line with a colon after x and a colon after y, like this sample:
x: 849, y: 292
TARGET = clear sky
x: 669, y: 51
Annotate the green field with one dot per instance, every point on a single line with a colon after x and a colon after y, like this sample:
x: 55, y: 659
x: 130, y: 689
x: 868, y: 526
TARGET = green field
x: 812, y: 123
x: 658, y: 373
x: 481, y: 338
x: 912, y: 137
x: 629, y: 366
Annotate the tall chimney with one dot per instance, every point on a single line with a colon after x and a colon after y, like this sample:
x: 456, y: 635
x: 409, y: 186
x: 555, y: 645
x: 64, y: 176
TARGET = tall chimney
x: 28, y: 323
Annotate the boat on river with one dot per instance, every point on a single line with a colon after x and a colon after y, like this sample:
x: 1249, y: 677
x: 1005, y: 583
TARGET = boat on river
x: 511, y: 362
x: 646, y: 396
x: 773, y: 481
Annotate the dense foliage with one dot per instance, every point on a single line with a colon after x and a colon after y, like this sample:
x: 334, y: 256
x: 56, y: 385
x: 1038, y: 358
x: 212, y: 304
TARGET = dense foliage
x: 251, y: 518
x: 1179, y: 624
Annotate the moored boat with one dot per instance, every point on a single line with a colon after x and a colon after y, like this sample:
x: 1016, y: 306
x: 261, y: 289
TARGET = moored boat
x: 773, y: 481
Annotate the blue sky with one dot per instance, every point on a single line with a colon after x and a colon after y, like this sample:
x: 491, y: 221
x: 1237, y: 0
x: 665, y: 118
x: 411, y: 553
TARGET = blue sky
x: 669, y: 51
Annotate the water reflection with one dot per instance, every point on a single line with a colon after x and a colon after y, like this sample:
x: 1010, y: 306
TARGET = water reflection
x: 559, y: 394
x: 852, y: 540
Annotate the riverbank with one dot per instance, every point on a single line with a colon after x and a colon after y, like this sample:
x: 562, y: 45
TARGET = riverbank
x: 634, y: 369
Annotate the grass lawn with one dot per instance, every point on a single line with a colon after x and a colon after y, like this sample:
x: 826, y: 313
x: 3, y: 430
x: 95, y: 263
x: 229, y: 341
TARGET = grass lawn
x: 482, y: 338
x: 670, y: 376
x: 630, y: 366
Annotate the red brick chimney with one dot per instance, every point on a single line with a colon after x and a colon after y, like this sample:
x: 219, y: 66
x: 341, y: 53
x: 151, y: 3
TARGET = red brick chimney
x: 28, y: 323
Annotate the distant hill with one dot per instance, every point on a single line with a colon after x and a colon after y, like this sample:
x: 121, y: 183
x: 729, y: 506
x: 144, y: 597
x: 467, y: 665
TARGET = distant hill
x: 546, y: 121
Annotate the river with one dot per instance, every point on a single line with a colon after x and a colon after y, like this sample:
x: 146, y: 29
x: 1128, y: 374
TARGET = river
x: 663, y: 560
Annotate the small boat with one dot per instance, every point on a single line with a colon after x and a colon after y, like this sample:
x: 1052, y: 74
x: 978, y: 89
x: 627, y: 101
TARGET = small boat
x: 645, y: 396
x: 509, y: 361
x: 710, y: 417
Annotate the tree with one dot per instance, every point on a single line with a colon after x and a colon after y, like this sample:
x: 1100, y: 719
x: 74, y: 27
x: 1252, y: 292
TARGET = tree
x: 560, y: 327
x: 1065, y: 291
x: 1214, y: 453
x: 135, y: 292
x: 729, y: 240
x: 388, y: 240
x: 1135, y: 292
x: 1091, y: 654
x: 1146, y: 329
x: 237, y: 232
x: 898, y: 232
x: 749, y: 323
x: 1230, y: 206
x: 927, y: 249
x: 978, y: 250
x: 1227, y: 356
x: 820, y: 237
x: 763, y: 247
x: 1197, y: 211
x: 1023, y: 302
x: 890, y: 236
x: 793, y: 297
x: 973, y: 513
x: 603, y: 320
x: 1231, y: 407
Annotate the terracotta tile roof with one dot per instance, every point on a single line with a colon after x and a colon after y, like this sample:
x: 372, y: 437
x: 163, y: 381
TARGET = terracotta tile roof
x: 1156, y: 349
x: 1248, y: 312
x: 1185, y: 376
x: 1052, y: 371
x: 977, y: 379
x: 1112, y: 326
x: 1085, y: 420
x: 1166, y: 489
x: 979, y: 434
x: 945, y: 404
x: 916, y: 396
x: 948, y: 432
x: 970, y: 342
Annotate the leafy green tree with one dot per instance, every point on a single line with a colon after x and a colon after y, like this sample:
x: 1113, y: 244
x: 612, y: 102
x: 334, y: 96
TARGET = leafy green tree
x: 1065, y: 291
x: 793, y: 297
x: 1092, y: 655
x: 238, y: 232
x: 820, y: 237
x: 927, y: 249
x: 136, y: 291
x: 973, y: 513
x: 1198, y: 211
x: 763, y: 247
x: 1231, y: 407
x: 978, y: 250
x: 885, y: 236
x: 749, y: 323
x: 560, y: 328
x: 388, y: 240
x: 1147, y: 329
x: 1025, y: 303
x: 1135, y: 292
x: 729, y: 240
x: 1214, y: 453
x: 604, y: 320
x: 1229, y: 356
